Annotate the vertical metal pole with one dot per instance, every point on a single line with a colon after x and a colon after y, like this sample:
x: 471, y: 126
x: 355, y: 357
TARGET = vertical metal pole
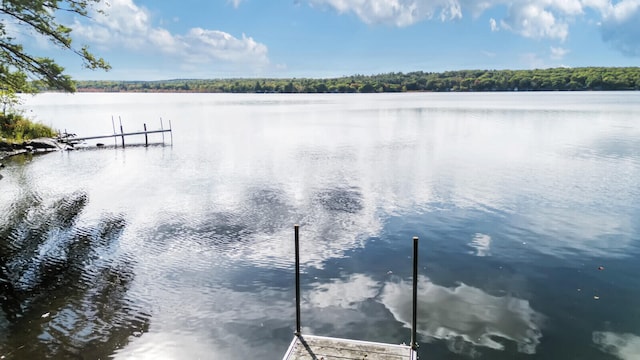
x: 121, y: 132
x: 297, y: 240
x: 113, y: 124
x: 414, y: 344
x: 162, y: 128
x: 146, y: 139
x: 171, y: 132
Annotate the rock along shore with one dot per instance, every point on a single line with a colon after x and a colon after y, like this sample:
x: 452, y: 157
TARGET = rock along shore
x: 8, y: 149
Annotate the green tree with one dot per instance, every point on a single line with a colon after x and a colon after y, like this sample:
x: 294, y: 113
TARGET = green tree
x: 40, y: 17
x: 8, y: 101
x: 322, y: 88
x: 289, y: 88
x: 366, y: 88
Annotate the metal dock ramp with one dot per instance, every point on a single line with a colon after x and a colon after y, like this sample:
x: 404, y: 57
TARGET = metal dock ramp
x: 310, y: 347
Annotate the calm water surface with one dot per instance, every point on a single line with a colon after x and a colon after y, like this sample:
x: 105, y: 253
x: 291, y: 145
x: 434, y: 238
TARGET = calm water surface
x: 526, y: 204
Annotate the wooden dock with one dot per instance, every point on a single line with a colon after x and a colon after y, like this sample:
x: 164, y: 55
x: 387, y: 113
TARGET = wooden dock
x: 310, y: 347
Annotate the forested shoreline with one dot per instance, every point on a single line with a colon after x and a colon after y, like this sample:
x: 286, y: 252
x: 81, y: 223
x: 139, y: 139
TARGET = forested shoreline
x: 553, y: 79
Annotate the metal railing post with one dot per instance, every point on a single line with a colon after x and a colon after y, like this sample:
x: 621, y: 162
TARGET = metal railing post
x: 297, y: 241
x: 414, y: 344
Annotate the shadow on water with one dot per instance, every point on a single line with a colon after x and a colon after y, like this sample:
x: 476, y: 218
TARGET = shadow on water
x: 63, y: 285
x: 264, y: 212
x: 340, y: 200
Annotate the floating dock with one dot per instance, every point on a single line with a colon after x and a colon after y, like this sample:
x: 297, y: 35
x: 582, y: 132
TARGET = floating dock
x: 310, y: 347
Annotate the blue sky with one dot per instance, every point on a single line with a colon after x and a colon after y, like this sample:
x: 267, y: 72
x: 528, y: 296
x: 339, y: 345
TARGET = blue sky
x: 157, y: 39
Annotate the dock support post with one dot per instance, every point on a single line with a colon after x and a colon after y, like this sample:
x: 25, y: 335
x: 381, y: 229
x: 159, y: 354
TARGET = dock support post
x: 146, y: 138
x: 115, y: 139
x: 121, y: 132
x: 414, y: 344
x: 297, y: 244
x: 162, y: 128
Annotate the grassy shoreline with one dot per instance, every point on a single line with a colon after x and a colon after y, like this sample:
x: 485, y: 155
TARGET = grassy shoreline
x: 15, y: 129
x: 16, y: 132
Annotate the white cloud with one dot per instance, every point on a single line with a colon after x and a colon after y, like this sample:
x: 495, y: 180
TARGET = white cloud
x: 206, y: 44
x: 534, y: 21
x: 537, y: 19
x: 558, y: 53
x: 600, y: 5
x: 620, y: 26
x: 494, y: 25
x: 396, y: 12
x: 129, y: 25
x: 162, y: 39
x: 624, y: 10
x: 125, y: 16
x: 567, y: 7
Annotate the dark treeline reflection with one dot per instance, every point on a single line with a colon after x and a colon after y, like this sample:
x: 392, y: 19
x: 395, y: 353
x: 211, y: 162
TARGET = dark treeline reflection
x: 64, y: 286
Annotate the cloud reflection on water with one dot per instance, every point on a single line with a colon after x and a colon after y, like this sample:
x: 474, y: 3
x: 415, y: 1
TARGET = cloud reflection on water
x: 214, y: 322
x: 345, y: 293
x: 622, y: 346
x: 482, y: 244
x: 466, y: 316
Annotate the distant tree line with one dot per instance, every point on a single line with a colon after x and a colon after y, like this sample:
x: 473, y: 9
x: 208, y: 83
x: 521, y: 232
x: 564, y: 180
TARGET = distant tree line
x: 555, y: 79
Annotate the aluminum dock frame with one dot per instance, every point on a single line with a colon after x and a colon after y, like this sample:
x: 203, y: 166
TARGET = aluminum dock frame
x: 310, y: 347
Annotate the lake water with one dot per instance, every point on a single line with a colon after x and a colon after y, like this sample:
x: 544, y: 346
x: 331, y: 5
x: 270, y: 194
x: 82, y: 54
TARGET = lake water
x: 526, y: 205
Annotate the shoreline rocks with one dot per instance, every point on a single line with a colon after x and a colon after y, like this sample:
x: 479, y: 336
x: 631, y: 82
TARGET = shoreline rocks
x: 8, y: 149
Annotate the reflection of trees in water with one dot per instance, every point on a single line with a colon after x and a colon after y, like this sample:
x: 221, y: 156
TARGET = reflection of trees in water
x: 62, y: 291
